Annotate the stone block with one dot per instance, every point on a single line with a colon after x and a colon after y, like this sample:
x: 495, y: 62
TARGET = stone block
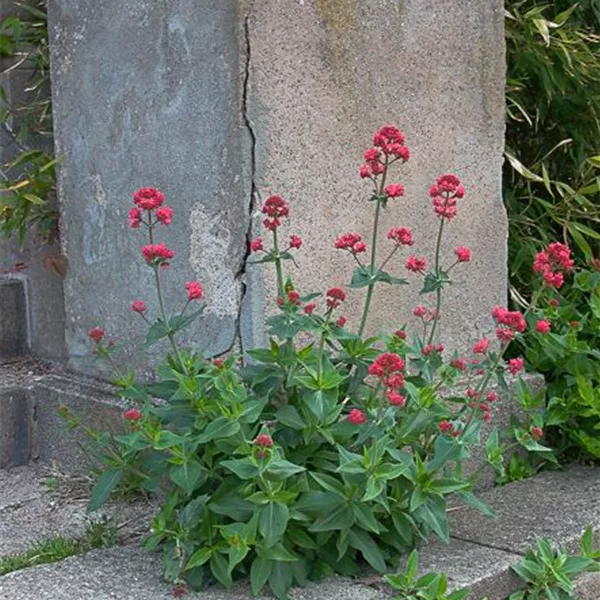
x: 323, y: 76
x: 13, y: 318
x: 556, y: 505
x: 17, y: 427
x: 148, y: 94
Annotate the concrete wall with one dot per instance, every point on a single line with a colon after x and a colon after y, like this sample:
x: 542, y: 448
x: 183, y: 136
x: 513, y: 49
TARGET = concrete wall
x: 43, y: 288
x: 213, y: 101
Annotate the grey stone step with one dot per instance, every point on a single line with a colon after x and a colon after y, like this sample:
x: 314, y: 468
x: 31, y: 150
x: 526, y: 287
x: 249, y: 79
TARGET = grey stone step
x: 557, y: 505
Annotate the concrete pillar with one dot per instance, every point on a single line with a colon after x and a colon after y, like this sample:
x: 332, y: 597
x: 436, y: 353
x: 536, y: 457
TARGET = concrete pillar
x: 149, y: 93
x: 324, y: 75
x: 13, y: 319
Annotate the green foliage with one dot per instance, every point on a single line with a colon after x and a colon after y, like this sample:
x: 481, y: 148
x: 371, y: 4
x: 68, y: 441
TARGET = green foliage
x: 27, y: 184
x: 553, y: 107
x: 431, y: 586
x: 550, y: 572
x: 568, y: 357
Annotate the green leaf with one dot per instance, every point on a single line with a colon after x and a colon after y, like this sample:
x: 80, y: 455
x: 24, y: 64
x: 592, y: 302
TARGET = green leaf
x: 218, y: 429
x: 281, y: 579
x: 260, y: 573
x: 434, y: 281
x: 365, y: 544
x: 106, y: 483
x: 471, y: 500
x: 277, y: 552
x: 242, y: 467
x: 272, y: 522
x: 186, y: 476
x: 156, y: 332
x: 433, y: 514
x: 220, y: 569
x: 340, y: 518
x: 199, y: 558
x: 282, y: 469
x: 289, y: 416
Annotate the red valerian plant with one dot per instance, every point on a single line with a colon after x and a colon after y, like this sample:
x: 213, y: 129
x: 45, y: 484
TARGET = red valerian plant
x: 315, y: 456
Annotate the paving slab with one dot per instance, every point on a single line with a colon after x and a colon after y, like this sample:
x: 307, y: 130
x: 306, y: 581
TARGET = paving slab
x: 485, y: 571
x: 130, y: 573
x: 31, y: 511
x: 556, y: 505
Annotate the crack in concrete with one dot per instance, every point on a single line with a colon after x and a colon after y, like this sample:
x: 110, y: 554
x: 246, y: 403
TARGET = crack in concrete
x: 241, y: 274
x: 501, y: 548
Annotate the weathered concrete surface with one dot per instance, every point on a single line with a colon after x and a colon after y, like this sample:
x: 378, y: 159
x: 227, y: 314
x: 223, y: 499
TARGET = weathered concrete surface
x: 32, y: 511
x: 556, y: 505
x: 324, y: 75
x: 149, y: 94
x: 13, y: 318
x: 130, y: 573
x: 485, y: 571
x: 17, y: 431
x: 587, y: 587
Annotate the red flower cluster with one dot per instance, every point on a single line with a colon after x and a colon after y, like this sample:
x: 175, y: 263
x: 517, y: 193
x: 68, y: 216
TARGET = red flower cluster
x: 415, y: 264
x: 510, y: 322
x: 309, y: 308
x: 552, y: 263
x: 149, y: 199
x: 275, y: 207
x: 133, y: 414
x: 351, y: 242
x: 447, y: 428
x: 256, y: 245
x: 515, y: 365
x: 264, y: 441
x: 157, y: 254
x: 391, y: 142
x: 139, y: 306
x: 194, y: 290
x: 463, y: 254
x: 357, y: 417
x: 444, y: 193
x: 459, y: 363
x: 394, y: 190
x: 388, y: 141
x: 482, y: 346
x: 537, y: 433
x: 341, y: 321
x: 295, y: 241
x: 427, y: 350
x: 401, y: 235
x: 543, y: 326
x: 96, y: 334
x: 335, y: 296
x: 424, y: 313
x: 388, y: 368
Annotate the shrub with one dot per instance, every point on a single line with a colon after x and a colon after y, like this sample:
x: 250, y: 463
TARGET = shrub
x: 326, y: 449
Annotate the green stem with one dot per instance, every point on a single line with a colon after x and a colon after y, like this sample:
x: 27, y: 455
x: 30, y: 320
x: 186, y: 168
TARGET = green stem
x: 278, y: 266
x: 371, y: 287
x: 438, y: 291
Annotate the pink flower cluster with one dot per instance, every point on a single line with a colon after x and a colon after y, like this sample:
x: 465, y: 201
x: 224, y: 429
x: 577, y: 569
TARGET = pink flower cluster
x: 157, y: 254
x: 427, y: 315
x: 149, y: 199
x: 389, y: 367
x: 509, y: 322
x: 276, y: 208
x: 388, y: 143
x: 552, y: 263
x: 352, y: 242
x: 335, y: 296
x: 444, y: 193
x: 194, y: 290
x: 401, y: 236
x: 416, y: 264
